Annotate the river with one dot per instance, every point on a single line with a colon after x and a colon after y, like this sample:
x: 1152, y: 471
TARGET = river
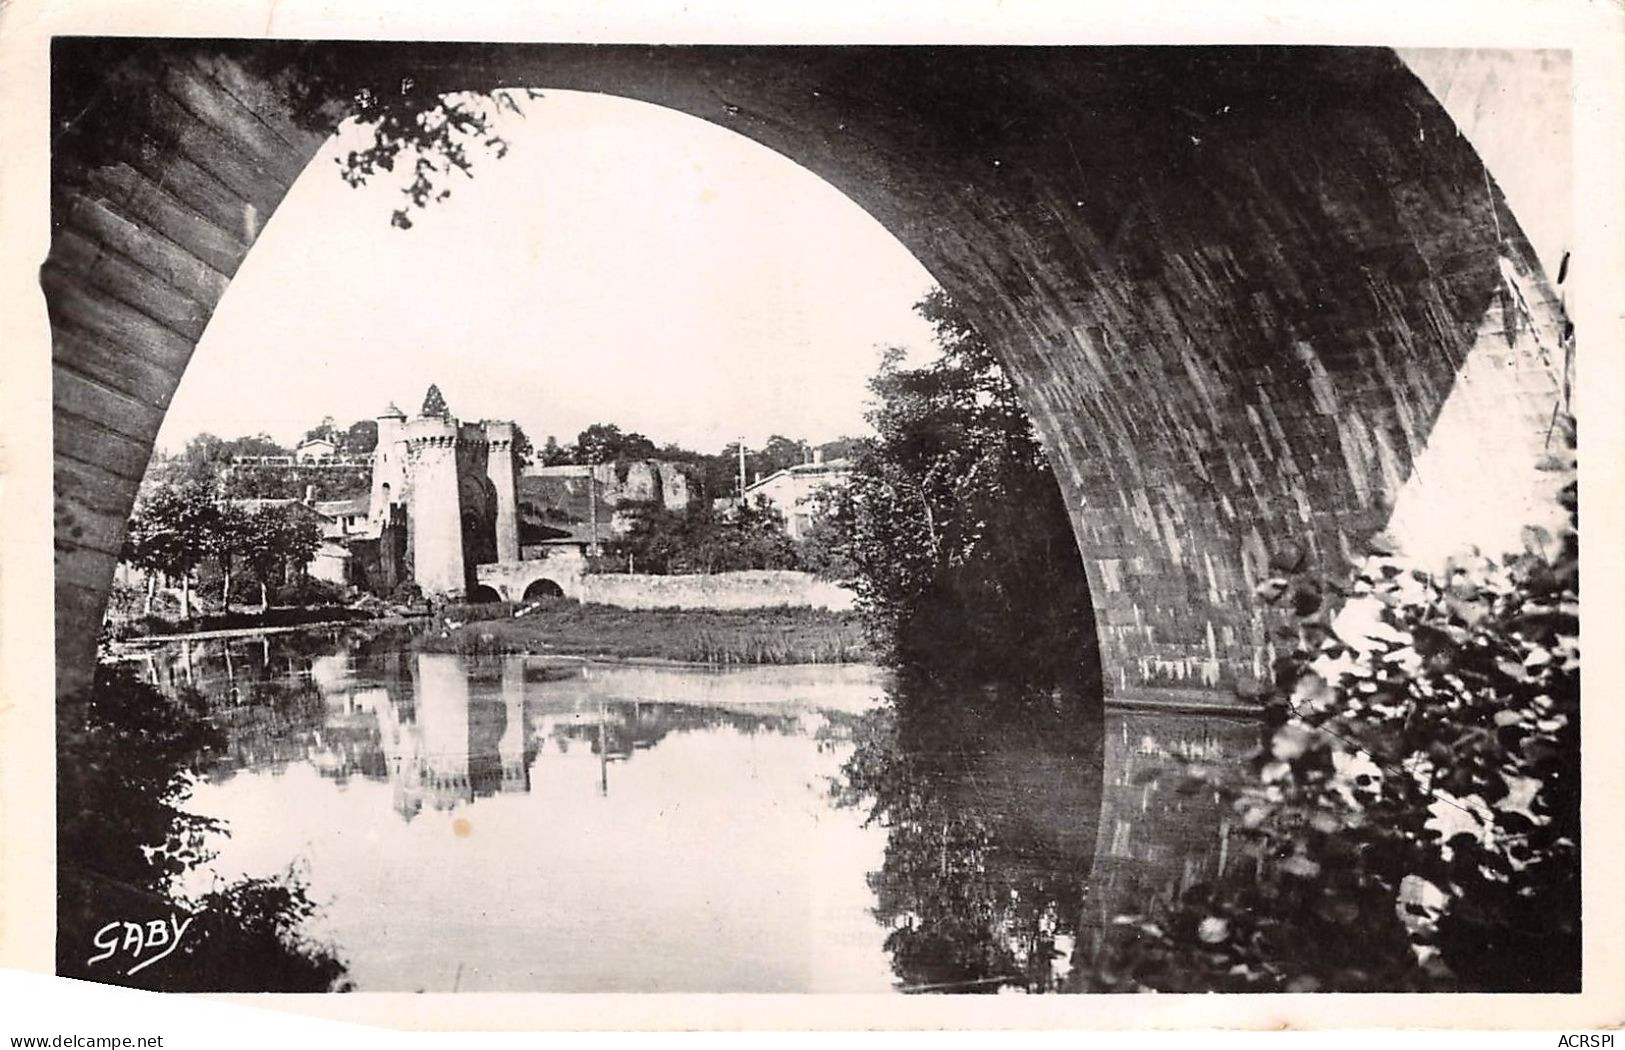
x: 536, y: 824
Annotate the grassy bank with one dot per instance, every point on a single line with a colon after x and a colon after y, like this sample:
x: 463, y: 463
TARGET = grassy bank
x: 722, y: 637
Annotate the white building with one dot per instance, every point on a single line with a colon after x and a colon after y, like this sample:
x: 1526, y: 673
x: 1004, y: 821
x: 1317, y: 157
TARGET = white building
x: 343, y: 518
x: 314, y: 450
x: 792, y: 491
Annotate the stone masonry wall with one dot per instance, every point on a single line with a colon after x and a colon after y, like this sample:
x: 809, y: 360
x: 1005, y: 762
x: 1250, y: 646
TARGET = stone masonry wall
x: 759, y: 589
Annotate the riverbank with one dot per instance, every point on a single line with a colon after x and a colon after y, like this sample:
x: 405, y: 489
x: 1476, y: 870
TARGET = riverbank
x: 714, y: 637
x: 224, y: 625
x: 137, y: 641
x: 666, y: 640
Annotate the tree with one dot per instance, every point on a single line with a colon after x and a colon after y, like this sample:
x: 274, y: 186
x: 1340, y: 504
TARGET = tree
x: 606, y: 443
x: 722, y: 471
x: 360, y: 439
x: 255, y: 445
x: 140, y: 553
x: 755, y: 538
x: 278, y: 536
x: 229, y: 537
x: 1419, y: 782
x: 661, y: 541
x: 821, y: 548
x: 523, y: 450
x: 438, y: 127
x: 553, y: 453
x: 657, y: 540
x: 780, y: 452
x: 174, y: 529
x: 200, y: 460
x: 954, y: 520
x: 283, y: 482
x: 207, y: 458
x: 421, y: 118
x: 841, y: 448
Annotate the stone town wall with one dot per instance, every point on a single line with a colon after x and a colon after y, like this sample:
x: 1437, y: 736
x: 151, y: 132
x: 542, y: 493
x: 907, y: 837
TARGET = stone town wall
x: 760, y: 589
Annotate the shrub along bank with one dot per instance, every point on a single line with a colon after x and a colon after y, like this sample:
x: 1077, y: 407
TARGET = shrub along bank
x: 1415, y: 811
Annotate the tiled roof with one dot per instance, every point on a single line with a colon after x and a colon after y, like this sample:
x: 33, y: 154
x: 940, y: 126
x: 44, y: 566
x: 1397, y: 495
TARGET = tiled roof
x: 342, y: 508
x: 829, y: 466
x: 255, y: 505
x: 571, y: 532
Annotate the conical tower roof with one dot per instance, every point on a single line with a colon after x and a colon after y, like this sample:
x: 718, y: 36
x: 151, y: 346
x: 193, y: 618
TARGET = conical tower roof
x: 391, y: 411
x: 434, y: 403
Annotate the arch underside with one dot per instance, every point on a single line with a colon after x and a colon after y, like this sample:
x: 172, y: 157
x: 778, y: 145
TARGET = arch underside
x: 1235, y: 288
x: 540, y: 588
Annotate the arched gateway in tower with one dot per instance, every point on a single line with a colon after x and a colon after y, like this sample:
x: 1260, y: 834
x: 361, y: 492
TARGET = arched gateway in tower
x: 448, y: 488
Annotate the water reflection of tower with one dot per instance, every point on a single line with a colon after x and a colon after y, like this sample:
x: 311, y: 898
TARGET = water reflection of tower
x: 441, y: 732
x: 459, y: 739
x: 514, y: 758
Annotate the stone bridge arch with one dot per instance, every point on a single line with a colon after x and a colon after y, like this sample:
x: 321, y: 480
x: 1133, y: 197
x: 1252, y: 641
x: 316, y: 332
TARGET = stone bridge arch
x: 516, y: 581
x: 1242, y: 292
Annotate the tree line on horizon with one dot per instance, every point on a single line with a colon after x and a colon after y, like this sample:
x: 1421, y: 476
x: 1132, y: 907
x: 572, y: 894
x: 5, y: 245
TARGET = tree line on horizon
x: 208, y: 456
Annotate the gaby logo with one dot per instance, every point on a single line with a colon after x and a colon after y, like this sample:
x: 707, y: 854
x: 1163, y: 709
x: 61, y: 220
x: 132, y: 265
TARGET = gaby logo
x: 142, y: 943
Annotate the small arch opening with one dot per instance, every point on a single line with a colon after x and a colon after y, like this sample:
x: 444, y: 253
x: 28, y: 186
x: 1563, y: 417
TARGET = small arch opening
x: 543, y: 589
x: 483, y: 595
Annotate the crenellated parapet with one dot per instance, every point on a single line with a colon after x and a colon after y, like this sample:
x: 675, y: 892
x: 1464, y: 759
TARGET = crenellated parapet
x: 472, y: 434
x: 432, y: 441
x: 499, y: 433
x: 430, y: 432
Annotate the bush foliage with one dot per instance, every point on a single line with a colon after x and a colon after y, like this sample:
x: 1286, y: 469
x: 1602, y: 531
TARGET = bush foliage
x: 126, y: 756
x: 1416, y: 805
x: 953, y: 527
x: 662, y: 541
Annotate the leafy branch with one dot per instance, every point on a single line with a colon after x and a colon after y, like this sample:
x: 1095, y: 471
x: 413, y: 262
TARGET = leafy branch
x: 436, y: 133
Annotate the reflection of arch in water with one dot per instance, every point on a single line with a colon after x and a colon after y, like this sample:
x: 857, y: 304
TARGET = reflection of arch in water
x: 542, y: 588
x: 1236, y: 315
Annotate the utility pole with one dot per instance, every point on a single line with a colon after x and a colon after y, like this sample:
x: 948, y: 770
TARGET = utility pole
x: 592, y: 502
x: 741, y: 468
x: 603, y: 749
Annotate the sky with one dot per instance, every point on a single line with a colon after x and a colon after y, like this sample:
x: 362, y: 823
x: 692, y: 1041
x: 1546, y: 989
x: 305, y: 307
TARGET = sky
x: 623, y: 263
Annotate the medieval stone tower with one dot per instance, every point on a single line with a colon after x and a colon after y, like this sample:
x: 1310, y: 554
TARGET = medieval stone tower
x: 453, y: 487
